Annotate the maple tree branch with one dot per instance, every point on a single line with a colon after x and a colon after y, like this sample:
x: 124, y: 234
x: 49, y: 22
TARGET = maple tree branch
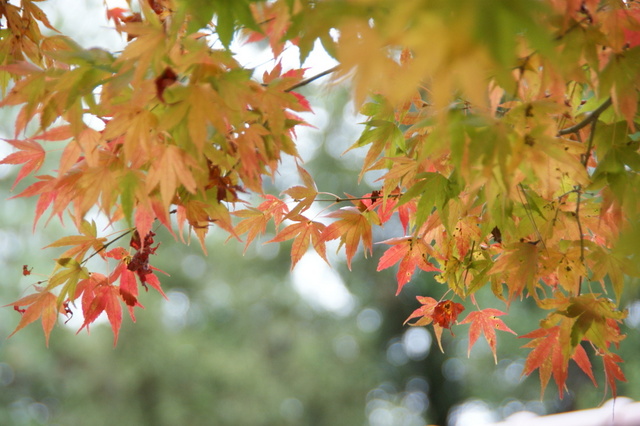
x: 591, y: 117
x: 311, y: 79
x: 344, y: 200
x: 578, y: 190
x: 581, y: 235
x: 587, y: 154
x: 107, y: 244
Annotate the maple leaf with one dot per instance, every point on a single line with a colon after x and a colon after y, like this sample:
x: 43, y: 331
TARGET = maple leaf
x: 352, y: 227
x: 276, y: 17
x: 71, y: 273
x: 152, y: 280
x: 440, y: 314
x: 305, y: 233
x: 486, y: 322
x: 520, y: 264
x: 128, y: 284
x: 171, y: 168
x: 117, y: 14
x: 303, y: 195
x: 613, y: 371
x: 81, y: 243
x: 551, y: 352
x: 255, y: 220
x: 302, y: 102
x: 99, y: 296
x: 42, y: 304
x: 424, y: 312
x: 595, y: 320
x: 548, y: 356
x: 385, y: 206
x: 30, y: 153
x: 200, y: 215
x: 446, y: 312
x: 164, y: 80
x: 411, y: 253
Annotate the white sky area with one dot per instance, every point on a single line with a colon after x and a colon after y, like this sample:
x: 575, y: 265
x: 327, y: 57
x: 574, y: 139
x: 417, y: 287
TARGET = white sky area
x: 321, y: 286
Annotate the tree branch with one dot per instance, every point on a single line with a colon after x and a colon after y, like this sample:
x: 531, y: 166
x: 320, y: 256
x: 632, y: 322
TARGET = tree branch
x: 312, y: 79
x: 344, y: 200
x: 578, y: 189
x: 591, y: 117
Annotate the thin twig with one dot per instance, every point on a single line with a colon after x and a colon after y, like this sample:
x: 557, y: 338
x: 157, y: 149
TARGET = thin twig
x: 312, y: 79
x: 578, y: 189
x: 107, y: 244
x: 591, y: 117
x: 587, y: 154
x: 344, y: 200
x: 581, y: 235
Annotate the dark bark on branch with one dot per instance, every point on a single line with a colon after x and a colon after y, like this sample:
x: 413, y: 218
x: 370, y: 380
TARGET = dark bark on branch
x: 591, y: 117
x: 312, y: 79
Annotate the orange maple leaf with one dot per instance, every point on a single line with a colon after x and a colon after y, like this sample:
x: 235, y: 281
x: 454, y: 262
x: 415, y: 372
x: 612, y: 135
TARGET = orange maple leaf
x: 424, y: 312
x: 40, y: 305
x: 172, y: 168
x: 255, y: 220
x: 81, y: 244
x: 519, y: 267
x: 411, y: 253
x: 305, y: 233
x: 486, y: 322
x: 304, y: 195
x: 352, y: 227
x: 30, y: 153
x: 547, y: 356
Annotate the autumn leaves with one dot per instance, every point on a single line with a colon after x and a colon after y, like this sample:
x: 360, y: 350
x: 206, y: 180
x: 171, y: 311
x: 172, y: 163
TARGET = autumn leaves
x: 476, y: 120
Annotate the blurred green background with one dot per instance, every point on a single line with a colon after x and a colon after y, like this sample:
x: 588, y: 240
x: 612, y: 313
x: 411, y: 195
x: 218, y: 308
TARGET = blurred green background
x: 242, y: 340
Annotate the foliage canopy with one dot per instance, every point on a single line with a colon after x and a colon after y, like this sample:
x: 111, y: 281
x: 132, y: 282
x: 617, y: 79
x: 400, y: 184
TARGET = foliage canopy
x: 505, y: 133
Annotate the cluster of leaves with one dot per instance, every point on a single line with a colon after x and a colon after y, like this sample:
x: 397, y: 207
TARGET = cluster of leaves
x: 507, y: 141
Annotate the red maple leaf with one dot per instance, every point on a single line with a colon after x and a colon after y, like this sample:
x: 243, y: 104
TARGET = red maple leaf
x: 612, y: 371
x: 551, y: 353
x: 446, y: 312
x: 99, y: 296
x: 485, y: 322
x: 440, y: 314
